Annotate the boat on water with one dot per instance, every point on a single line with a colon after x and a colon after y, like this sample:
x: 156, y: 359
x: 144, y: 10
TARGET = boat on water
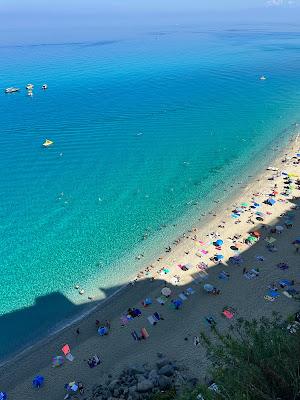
x: 45, y: 86
x: 47, y: 143
x: 12, y: 90
x: 30, y: 93
x: 263, y: 78
x: 30, y: 86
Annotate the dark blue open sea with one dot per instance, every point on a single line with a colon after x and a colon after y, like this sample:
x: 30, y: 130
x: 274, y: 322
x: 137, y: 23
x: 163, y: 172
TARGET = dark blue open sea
x: 143, y: 129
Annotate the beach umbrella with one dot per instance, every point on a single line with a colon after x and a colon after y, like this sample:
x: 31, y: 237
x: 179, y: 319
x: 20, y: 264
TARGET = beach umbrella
x: 234, y: 248
x: 255, y: 233
x: 260, y: 214
x: 259, y: 218
x: 38, y: 381
x: 3, y: 395
x: 57, y: 361
x: 147, y: 301
x: 279, y: 228
x: 166, y: 291
x: 244, y: 205
x: 219, y: 257
x: 103, y: 330
x: 256, y: 204
x: 219, y: 242
x: 208, y: 287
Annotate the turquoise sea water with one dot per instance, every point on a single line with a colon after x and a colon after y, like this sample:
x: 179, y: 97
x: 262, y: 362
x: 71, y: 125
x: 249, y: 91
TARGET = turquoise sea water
x: 143, y: 129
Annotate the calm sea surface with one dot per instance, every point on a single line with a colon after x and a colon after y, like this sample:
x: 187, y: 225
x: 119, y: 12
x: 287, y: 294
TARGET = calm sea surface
x: 142, y: 130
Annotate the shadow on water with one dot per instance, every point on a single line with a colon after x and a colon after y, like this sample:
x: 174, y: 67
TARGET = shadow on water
x: 51, y: 309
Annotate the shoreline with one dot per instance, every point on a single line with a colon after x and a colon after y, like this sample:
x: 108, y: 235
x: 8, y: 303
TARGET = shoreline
x: 206, y: 222
x: 37, y: 359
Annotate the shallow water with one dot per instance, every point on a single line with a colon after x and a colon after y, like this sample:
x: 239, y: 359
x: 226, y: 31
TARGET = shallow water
x: 142, y: 129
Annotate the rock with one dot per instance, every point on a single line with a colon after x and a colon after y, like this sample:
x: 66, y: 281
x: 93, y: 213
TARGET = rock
x: 113, y: 384
x: 145, y: 386
x: 136, y: 369
x: 162, y: 363
x: 167, y: 370
x: 164, y: 382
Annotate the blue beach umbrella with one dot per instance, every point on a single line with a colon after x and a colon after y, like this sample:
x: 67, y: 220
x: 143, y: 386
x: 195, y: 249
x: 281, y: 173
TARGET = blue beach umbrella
x: 208, y: 287
x: 103, y: 330
x: 219, y: 257
x: 256, y: 204
x: 3, y: 395
x: 38, y: 381
x: 219, y: 242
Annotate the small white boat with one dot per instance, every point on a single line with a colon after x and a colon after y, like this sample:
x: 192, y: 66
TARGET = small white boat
x: 263, y: 78
x: 47, y: 143
x: 30, y: 86
x: 45, y: 86
x: 12, y: 90
x: 30, y: 93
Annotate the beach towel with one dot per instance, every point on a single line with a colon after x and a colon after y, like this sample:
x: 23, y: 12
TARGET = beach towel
x: 66, y: 349
x: 189, y: 291
x: 70, y: 357
x: 152, y: 320
x: 204, y: 251
x: 144, y: 333
x: 182, y: 296
x: 228, y: 314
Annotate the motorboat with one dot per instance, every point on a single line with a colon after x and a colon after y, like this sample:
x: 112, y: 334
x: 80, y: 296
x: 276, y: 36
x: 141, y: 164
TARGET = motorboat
x: 47, y: 143
x: 30, y: 93
x: 45, y: 86
x: 30, y: 86
x: 263, y: 78
x: 12, y: 90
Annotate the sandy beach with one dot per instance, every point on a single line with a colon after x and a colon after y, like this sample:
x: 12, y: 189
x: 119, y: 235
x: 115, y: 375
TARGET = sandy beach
x: 193, y: 261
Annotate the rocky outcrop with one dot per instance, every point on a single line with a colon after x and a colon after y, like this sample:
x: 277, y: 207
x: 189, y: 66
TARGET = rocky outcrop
x: 139, y: 382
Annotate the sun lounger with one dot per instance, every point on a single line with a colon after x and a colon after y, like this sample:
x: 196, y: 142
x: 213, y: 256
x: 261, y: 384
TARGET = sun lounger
x: 287, y: 294
x: 70, y: 357
x: 269, y: 298
x: 152, y: 320
x: 135, y: 335
x: 144, y: 333
x: 182, y: 296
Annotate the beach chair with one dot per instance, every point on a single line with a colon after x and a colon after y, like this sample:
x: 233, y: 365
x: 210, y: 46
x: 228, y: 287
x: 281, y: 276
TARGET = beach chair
x: 161, y: 300
x: 144, y: 333
x: 189, y: 291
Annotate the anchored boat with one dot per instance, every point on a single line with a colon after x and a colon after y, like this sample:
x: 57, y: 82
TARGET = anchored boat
x: 12, y: 90
x: 47, y: 143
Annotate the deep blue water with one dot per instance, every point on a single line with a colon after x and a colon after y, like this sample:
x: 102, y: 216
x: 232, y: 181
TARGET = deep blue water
x: 142, y: 129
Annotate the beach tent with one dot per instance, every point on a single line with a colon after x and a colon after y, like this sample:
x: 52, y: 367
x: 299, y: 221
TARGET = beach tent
x: 38, y: 381
x: 3, y: 395
x: 66, y: 349
x: 103, y: 330
x: 57, y: 361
